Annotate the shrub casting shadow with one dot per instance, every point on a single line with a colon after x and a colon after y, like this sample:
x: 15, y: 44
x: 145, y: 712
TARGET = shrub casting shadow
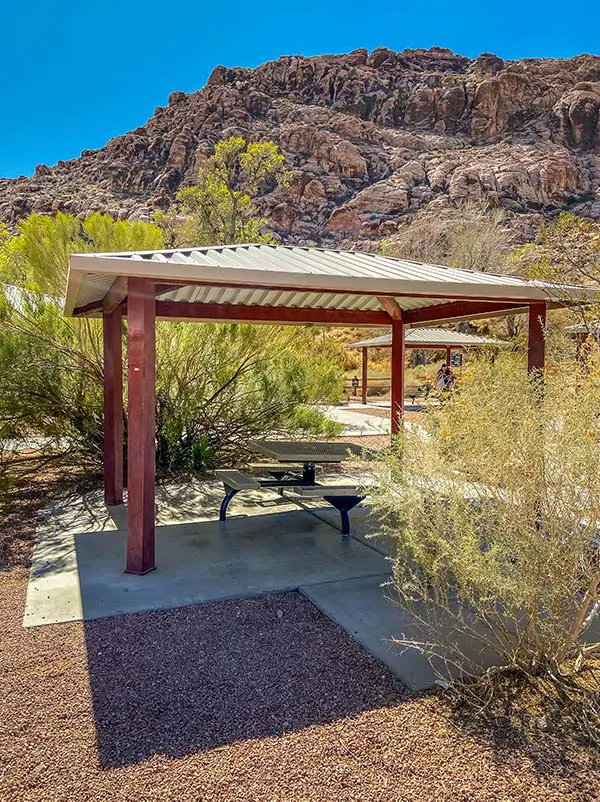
x: 191, y: 679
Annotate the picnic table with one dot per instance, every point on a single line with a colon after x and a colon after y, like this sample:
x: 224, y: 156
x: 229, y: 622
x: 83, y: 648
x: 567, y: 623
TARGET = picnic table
x: 288, y: 454
x: 309, y: 453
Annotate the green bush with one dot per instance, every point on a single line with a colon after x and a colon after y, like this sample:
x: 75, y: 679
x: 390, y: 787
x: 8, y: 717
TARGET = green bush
x: 218, y: 386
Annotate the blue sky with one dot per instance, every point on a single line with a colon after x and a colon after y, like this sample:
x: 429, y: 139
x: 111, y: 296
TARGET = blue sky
x: 74, y: 74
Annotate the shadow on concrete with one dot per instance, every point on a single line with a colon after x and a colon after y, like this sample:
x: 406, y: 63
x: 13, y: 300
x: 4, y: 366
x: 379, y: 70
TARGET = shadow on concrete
x: 208, y: 561
x: 192, y: 679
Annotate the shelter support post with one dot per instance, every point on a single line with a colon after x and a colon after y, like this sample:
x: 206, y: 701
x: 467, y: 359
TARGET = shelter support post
x: 449, y: 356
x: 141, y: 469
x: 397, y: 374
x: 365, y: 370
x: 535, y: 344
x: 113, y: 407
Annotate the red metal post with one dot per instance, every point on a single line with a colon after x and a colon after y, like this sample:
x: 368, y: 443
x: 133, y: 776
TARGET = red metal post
x: 141, y: 425
x: 448, y: 356
x: 113, y: 408
x: 535, y: 345
x: 397, y: 374
x: 365, y: 371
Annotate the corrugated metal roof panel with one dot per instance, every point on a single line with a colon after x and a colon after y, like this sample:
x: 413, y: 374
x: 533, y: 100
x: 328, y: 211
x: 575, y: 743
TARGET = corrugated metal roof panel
x: 289, y: 258
x: 287, y: 273
x: 430, y: 336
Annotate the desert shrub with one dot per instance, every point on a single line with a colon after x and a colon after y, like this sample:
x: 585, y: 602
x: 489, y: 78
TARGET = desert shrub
x: 52, y: 369
x: 493, y: 508
x: 217, y: 385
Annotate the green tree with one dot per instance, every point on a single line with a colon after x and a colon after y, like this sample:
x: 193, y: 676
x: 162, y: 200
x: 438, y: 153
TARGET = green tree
x: 217, y: 385
x: 38, y: 257
x: 219, y: 209
x: 55, y: 364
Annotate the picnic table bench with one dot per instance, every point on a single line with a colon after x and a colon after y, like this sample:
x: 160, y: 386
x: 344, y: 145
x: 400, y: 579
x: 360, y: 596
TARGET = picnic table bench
x: 285, y: 476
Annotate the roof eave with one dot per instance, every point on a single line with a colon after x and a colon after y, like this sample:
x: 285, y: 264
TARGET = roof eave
x: 165, y: 271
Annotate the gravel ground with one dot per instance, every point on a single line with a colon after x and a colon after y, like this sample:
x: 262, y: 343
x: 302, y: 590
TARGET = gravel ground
x: 260, y: 699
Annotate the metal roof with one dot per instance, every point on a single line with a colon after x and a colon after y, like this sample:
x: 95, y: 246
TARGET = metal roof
x: 593, y: 327
x: 293, y: 276
x: 429, y: 338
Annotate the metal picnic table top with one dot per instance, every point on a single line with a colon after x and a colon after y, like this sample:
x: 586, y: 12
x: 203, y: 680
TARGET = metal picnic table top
x: 307, y: 452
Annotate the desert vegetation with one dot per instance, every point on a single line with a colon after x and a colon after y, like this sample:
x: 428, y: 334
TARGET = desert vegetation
x: 217, y: 385
x: 492, y: 507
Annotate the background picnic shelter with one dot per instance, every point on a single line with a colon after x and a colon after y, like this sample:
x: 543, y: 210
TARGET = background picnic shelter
x: 434, y: 338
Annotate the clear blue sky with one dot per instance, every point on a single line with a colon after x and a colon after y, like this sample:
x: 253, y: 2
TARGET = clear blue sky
x: 75, y: 73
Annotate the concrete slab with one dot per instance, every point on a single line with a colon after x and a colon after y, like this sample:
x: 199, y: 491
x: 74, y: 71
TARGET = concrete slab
x: 269, y: 545
x: 359, y: 606
x: 80, y: 575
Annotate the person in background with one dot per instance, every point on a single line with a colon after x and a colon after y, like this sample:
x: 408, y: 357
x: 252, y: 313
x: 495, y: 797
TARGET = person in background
x: 450, y: 378
x: 440, y: 378
x: 444, y: 380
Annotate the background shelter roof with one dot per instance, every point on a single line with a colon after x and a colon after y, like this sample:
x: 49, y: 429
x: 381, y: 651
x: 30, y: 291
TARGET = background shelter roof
x: 430, y: 338
x: 593, y: 327
x: 219, y: 280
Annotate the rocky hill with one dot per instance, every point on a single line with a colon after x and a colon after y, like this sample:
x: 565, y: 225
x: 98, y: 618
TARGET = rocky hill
x: 371, y: 139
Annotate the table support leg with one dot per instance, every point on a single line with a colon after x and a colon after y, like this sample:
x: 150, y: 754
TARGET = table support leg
x: 230, y: 493
x: 308, y: 475
x: 344, y: 504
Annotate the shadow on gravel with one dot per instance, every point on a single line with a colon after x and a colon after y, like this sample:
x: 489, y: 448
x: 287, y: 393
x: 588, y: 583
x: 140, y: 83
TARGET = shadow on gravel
x: 181, y: 681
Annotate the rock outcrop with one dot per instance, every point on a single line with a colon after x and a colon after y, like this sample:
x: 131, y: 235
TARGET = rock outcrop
x: 370, y: 140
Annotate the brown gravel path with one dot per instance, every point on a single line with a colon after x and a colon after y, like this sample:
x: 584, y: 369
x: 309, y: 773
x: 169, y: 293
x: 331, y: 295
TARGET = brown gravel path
x: 262, y: 699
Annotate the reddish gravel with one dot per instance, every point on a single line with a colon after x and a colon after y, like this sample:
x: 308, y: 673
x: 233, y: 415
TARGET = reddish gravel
x: 262, y: 699
x: 375, y: 441
x: 376, y: 412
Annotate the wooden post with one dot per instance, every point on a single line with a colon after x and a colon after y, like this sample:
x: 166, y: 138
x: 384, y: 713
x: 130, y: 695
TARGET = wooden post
x: 449, y: 356
x: 535, y: 345
x: 141, y: 425
x: 113, y: 407
x: 397, y: 374
x: 365, y: 370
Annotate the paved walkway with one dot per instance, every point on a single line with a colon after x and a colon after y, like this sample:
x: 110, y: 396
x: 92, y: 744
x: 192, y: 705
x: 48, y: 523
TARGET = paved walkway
x: 358, y: 423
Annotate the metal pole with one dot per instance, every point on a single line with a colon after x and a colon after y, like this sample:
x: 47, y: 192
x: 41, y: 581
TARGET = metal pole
x: 141, y: 425
x: 397, y: 374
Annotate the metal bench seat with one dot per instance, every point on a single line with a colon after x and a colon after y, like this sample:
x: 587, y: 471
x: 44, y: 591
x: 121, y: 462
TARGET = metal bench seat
x: 234, y: 481
x: 343, y: 497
